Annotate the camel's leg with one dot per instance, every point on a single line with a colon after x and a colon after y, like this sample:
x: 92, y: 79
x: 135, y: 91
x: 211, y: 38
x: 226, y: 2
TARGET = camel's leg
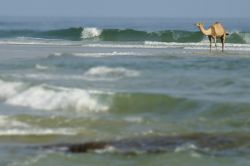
x: 223, y: 42
x: 210, y: 38
x: 215, y: 43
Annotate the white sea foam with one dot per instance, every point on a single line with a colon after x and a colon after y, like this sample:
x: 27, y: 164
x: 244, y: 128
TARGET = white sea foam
x: 107, y: 149
x: 8, y: 89
x: 93, y: 74
x: 10, y: 126
x: 51, y: 98
x: 35, y: 41
x: 47, y: 97
x: 57, y: 54
x: 157, y: 45
x: 41, y: 67
x: 146, y: 44
x: 103, y: 54
x: 91, y: 32
x: 165, y: 44
x: 119, y: 45
x: 95, y: 54
x: 186, y: 147
x: 109, y: 72
x: 43, y: 76
x: 228, y: 47
x: 203, y: 45
x: 37, y: 131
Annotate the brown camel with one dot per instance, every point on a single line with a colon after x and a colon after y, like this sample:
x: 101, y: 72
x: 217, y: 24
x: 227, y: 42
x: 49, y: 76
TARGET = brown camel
x: 214, y: 31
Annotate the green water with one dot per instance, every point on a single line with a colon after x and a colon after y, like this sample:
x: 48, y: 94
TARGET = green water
x: 135, y: 88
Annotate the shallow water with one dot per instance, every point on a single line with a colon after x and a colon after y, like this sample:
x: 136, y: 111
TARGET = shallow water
x: 56, y: 91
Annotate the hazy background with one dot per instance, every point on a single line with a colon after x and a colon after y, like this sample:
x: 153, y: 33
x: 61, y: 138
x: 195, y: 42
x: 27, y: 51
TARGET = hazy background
x: 127, y: 8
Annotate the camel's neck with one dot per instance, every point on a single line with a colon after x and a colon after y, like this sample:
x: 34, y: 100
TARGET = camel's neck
x: 204, y: 31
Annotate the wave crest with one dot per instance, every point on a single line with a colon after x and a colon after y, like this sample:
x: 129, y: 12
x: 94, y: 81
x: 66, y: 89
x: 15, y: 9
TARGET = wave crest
x: 93, y: 33
x: 8, y: 89
x: 45, y: 97
x: 88, y: 33
x: 50, y: 98
x: 109, y: 72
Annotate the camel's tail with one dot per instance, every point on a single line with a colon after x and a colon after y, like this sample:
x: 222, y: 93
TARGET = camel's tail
x: 227, y: 34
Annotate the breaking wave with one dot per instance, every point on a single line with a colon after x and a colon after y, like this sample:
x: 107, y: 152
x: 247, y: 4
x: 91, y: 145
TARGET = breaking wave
x: 54, y: 98
x: 41, y: 67
x: 46, y: 97
x: 93, y: 33
x: 108, y: 72
x: 8, y: 89
x: 88, y: 33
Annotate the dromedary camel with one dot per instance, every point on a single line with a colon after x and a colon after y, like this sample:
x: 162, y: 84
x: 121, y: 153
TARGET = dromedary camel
x: 214, y: 31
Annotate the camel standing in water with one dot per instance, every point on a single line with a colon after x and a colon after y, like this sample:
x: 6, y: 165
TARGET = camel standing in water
x: 214, y: 31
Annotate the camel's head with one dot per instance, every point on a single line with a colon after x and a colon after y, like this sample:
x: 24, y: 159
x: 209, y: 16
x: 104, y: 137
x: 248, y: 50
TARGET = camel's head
x: 199, y: 24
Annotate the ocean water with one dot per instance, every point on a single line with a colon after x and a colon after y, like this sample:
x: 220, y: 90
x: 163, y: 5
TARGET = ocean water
x: 128, y: 91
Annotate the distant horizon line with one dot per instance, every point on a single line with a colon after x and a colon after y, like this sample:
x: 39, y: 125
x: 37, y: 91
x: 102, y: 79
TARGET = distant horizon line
x: 124, y: 17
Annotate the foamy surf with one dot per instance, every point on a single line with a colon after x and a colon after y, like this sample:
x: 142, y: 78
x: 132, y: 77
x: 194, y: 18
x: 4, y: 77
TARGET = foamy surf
x: 95, y: 54
x: 165, y: 45
x: 36, y: 132
x: 103, y: 72
x: 9, y: 126
x: 93, y: 74
x: 41, y: 67
x: 203, y: 45
x: 36, y: 41
x: 228, y: 47
x: 8, y: 89
x: 90, y: 33
x: 51, y: 98
x: 44, y: 76
x: 45, y: 97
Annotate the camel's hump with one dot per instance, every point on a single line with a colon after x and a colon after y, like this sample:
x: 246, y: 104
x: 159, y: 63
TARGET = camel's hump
x: 217, y: 24
x: 218, y: 29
